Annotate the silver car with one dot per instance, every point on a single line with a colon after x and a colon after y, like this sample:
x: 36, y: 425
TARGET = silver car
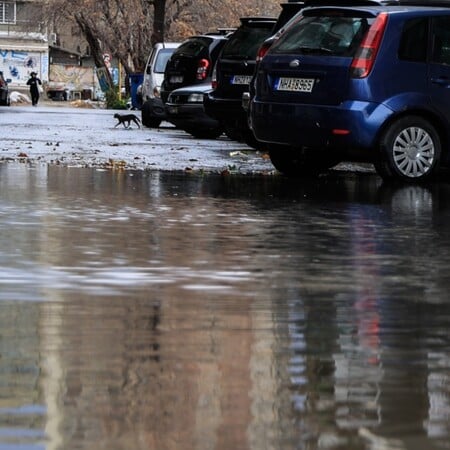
x: 152, y: 110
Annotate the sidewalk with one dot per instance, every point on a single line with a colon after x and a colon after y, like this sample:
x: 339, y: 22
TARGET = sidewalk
x: 23, y: 99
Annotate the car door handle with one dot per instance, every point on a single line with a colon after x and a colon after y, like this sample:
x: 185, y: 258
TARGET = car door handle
x: 441, y: 81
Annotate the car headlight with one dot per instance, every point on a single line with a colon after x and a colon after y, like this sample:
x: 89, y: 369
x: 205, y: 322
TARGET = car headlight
x: 157, y: 92
x: 195, y: 98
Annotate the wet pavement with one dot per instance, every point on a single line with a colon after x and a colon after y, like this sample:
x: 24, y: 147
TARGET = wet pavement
x: 159, y: 310
x: 88, y: 137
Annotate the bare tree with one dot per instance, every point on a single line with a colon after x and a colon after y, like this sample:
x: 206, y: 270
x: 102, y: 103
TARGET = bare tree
x: 128, y: 28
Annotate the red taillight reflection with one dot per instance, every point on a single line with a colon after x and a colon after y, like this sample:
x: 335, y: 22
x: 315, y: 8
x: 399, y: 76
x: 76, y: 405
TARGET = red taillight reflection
x: 365, y: 56
x: 202, y: 69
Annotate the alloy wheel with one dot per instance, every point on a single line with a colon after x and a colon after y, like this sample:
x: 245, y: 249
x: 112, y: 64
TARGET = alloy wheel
x: 413, y: 152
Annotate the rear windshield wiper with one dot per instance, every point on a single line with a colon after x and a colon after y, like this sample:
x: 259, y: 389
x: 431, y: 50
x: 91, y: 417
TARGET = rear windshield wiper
x: 315, y: 50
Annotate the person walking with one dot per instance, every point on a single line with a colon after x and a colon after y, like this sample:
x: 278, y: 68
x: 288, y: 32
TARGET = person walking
x: 33, y: 82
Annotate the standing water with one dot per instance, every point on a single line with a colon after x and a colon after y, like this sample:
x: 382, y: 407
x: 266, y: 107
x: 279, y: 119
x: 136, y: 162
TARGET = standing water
x: 174, y: 311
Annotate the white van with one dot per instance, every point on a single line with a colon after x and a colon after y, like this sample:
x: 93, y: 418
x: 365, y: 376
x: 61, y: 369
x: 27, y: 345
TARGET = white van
x: 152, y: 110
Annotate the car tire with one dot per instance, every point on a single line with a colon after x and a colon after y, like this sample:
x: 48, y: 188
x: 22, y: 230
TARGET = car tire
x: 295, y: 162
x: 251, y: 141
x: 409, y: 150
x: 148, y: 120
x: 233, y: 133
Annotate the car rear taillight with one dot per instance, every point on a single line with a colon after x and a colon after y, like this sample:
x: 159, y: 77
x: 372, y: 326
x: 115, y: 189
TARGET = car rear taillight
x: 214, y: 81
x: 263, y: 49
x: 202, y: 69
x: 365, y: 55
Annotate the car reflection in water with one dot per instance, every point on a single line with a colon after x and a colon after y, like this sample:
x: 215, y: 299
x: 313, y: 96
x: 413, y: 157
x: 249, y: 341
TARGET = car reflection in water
x: 143, y: 308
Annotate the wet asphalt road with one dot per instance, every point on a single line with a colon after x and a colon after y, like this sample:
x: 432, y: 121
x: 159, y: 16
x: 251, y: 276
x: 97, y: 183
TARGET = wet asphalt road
x: 87, y: 137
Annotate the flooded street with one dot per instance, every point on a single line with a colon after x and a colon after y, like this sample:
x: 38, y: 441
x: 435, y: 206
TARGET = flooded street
x: 159, y: 310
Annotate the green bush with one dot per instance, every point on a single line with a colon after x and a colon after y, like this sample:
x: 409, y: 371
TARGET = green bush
x: 113, y: 101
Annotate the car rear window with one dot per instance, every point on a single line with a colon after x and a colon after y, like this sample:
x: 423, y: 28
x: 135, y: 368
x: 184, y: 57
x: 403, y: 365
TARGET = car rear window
x: 194, y: 46
x: 334, y: 35
x: 162, y: 58
x: 245, y: 41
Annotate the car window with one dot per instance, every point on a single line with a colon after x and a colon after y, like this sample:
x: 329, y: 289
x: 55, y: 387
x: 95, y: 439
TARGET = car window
x: 244, y: 42
x: 441, y: 40
x: 161, y: 59
x: 194, y: 46
x: 414, y: 39
x: 330, y: 35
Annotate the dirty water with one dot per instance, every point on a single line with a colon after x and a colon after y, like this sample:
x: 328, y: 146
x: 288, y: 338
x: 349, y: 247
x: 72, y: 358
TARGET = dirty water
x: 154, y: 310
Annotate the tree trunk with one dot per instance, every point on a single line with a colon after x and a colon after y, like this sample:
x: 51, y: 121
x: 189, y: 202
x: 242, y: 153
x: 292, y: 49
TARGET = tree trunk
x: 94, y: 45
x: 159, y: 8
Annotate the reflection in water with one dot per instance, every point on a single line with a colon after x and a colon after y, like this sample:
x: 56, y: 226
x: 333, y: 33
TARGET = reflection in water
x: 171, y: 311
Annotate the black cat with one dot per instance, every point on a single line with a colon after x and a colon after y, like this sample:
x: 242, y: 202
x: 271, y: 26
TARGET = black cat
x: 128, y: 118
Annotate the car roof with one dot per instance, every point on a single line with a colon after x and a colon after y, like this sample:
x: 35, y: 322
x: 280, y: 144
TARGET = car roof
x: 167, y: 44
x: 424, y: 3
x: 219, y: 33
x: 376, y: 6
x: 200, y: 88
x: 258, y: 20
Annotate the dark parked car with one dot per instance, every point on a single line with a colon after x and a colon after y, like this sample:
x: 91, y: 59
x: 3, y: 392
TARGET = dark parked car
x: 184, y: 108
x: 192, y: 62
x: 368, y: 82
x: 4, y: 91
x: 232, y: 74
x: 288, y: 11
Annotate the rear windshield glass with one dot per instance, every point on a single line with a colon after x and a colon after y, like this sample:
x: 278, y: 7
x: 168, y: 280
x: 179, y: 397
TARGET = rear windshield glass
x: 161, y: 59
x: 194, y: 46
x: 244, y: 42
x: 327, y: 35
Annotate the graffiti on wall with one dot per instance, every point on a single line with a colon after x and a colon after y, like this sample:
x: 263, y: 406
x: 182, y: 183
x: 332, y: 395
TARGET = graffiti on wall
x: 73, y: 77
x: 17, y: 65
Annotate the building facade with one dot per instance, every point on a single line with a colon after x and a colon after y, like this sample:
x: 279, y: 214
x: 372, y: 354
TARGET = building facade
x: 24, y: 43
x: 28, y: 44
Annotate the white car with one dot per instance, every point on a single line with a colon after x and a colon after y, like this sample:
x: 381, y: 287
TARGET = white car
x: 152, y: 111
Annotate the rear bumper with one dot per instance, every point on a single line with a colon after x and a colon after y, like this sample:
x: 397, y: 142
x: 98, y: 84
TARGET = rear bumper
x: 350, y: 127
x: 226, y: 110
x: 190, y: 116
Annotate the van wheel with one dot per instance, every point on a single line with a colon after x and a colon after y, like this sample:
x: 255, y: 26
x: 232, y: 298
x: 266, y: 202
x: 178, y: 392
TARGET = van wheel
x: 233, y: 133
x: 409, y: 149
x: 294, y: 162
x: 148, y: 120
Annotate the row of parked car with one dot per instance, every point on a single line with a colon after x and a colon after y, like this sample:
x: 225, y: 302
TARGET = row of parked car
x: 200, y: 89
x: 327, y: 81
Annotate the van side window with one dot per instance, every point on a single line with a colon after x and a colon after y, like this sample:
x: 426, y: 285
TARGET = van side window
x: 413, y: 43
x: 441, y: 40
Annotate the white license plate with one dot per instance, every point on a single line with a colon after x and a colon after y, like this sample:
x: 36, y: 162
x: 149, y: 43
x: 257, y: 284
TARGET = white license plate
x: 295, y: 84
x: 176, y: 79
x: 241, y: 79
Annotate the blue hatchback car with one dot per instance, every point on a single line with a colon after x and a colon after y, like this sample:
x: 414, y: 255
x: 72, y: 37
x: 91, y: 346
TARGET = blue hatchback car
x: 368, y: 82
